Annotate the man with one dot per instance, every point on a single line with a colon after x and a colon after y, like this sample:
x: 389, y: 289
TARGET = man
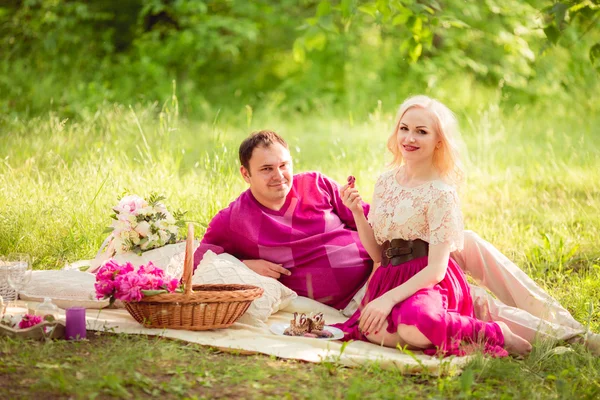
x: 292, y: 228
x: 295, y: 228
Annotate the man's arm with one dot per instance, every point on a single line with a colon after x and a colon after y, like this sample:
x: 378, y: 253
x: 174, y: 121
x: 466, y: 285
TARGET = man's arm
x: 217, y: 237
x: 266, y: 268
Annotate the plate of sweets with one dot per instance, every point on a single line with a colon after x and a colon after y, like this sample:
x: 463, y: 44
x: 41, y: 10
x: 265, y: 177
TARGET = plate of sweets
x: 309, y: 327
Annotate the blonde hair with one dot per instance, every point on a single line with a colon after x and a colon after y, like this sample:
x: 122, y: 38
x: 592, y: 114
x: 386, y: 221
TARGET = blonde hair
x: 445, y: 158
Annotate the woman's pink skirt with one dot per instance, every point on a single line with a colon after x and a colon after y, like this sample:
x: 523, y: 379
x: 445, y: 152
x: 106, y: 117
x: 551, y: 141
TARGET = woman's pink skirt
x: 443, y: 313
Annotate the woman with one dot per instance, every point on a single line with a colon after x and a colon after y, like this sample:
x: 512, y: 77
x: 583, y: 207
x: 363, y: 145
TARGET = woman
x: 419, y: 296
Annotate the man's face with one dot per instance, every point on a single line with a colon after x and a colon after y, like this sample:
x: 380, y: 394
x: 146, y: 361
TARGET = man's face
x: 270, y: 174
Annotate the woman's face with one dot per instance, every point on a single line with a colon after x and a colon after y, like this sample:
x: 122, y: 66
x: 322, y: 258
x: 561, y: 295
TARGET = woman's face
x: 417, y: 137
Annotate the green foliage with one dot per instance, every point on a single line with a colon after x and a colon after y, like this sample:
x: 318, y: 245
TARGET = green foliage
x: 155, y: 198
x: 70, y: 56
x: 583, y: 16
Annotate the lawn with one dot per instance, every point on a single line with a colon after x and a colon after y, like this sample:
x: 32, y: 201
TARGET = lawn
x: 533, y: 190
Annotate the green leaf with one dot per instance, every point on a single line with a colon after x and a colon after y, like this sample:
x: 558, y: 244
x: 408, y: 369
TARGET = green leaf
x: 595, y: 54
x: 402, y: 16
x: 316, y: 41
x: 559, y: 10
x: 427, y: 37
x: 328, y: 25
x: 324, y: 8
x: 384, y: 9
x: 581, y: 5
x: 466, y: 381
x: 417, y: 26
x: 178, y: 215
x: 49, y: 318
x: 405, y: 45
x: 298, y: 51
x: 154, y: 199
x: 312, y: 21
x: 369, y: 8
x: 153, y: 292
x: 456, y: 23
x: 435, y: 5
x: 415, y: 52
x: 552, y: 33
x: 108, y: 229
x: 346, y: 8
x: 423, y: 8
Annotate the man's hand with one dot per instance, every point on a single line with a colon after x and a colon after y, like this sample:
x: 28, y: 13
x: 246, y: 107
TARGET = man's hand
x: 267, y: 268
x: 373, y: 316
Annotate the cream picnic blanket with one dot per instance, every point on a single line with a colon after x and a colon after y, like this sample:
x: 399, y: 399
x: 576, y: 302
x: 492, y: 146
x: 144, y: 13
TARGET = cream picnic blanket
x: 250, y: 339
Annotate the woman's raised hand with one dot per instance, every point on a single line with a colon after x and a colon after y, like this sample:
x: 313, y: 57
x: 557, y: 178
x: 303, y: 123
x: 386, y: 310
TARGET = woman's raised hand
x: 350, y: 196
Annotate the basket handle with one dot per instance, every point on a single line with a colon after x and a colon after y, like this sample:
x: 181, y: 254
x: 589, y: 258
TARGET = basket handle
x: 188, y: 264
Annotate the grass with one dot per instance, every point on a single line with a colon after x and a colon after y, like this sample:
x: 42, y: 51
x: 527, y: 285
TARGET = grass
x: 533, y: 190
x: 122, y: 366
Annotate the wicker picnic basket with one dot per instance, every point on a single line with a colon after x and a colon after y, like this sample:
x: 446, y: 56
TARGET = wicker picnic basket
x: 200, y: 307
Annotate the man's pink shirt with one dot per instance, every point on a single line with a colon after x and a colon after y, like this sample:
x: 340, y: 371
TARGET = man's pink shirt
x: 313, y: 235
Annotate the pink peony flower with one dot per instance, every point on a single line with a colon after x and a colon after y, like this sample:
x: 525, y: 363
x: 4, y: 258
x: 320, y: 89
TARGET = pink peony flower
x: 104, y: 288
x: 130, y: 204
x: 110, y: 269
x: 156, y: 282
x: 151, y: 269
x: 129, y: 286
x: 29, y: 320
x: 172, y: 285
x: 124, y: 282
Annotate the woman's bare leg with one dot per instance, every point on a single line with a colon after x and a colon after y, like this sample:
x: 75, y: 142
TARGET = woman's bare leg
x: 384, y: 338
x: 514, y: 343
x: 407, y: 336
x: 413, y: 336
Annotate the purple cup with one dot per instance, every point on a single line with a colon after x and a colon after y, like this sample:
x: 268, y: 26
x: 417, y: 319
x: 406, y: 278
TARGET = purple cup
x: 75, y: 323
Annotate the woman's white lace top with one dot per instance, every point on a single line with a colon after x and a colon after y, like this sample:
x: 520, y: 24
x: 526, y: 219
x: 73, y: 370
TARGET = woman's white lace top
x: 430, y: 212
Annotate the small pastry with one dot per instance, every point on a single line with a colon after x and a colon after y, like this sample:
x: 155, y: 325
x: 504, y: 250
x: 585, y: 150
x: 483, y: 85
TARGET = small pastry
x: 351, y: 180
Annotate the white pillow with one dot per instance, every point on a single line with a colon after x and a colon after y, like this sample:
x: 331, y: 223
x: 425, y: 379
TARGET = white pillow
x: 65, y: 288
x: 355, y: 302
x: 225, y: 268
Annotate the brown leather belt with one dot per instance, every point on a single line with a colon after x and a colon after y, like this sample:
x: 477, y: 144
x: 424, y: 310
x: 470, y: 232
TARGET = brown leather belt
x: 399, y: 251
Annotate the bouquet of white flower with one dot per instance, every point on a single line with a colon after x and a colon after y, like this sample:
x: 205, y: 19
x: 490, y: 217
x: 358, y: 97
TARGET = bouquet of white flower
x: 141, y: 225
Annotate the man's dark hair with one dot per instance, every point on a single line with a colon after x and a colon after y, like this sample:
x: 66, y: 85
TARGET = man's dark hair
x: 258, y: 139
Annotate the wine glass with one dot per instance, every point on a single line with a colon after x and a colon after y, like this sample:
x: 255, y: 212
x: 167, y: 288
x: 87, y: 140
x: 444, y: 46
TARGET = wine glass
x: 18, y: 271
x: 2, y: 307
x: 5, y: 291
